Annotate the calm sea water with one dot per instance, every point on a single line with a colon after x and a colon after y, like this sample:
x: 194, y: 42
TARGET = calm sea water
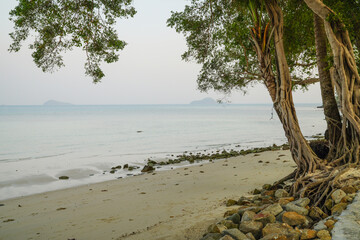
x: 40, y: 143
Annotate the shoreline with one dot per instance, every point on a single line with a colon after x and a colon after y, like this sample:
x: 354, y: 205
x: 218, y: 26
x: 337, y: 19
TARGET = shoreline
x: 178, y: 203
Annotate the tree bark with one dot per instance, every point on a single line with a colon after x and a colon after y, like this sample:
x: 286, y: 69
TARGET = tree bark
x: 302, y: 154
x: 347, y: 81
x: 331, y: 110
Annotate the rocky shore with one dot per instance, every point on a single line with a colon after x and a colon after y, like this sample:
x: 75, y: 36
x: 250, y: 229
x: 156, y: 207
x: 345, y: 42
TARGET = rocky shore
x: 273, y: 214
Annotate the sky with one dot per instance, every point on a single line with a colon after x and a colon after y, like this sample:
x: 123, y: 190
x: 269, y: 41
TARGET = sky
x: 149, y: 70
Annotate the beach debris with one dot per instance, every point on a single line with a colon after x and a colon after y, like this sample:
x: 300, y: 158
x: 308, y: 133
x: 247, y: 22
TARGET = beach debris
x: 126, y: 166
x: 61, y: 209
x: 1, y: 204
x: 63, y: 177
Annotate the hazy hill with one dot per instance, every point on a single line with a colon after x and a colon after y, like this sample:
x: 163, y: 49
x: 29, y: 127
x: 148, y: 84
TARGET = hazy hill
x: 205, y: 101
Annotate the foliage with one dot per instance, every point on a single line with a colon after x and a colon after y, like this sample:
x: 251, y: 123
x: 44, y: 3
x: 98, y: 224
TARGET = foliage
x: 61, y: 25
x: 218, y: 34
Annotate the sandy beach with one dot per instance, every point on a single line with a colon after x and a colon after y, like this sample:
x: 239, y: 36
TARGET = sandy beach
x: 174, y: 204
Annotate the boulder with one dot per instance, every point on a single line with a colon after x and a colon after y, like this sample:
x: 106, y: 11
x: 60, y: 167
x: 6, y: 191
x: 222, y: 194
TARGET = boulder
x: 241, y: 211
x: 337, y: 195
x: 280, y: 229
x: 320, y: 225
x: 317, y: 214
x: 323, y: 234
x: 216, y: 228
x: 226, y: 237
x: 211, y: 236
x: 302, y: 202
x: 236, y: 234
x: 250, y: 236
x: 285, y: 200
x: 266, y: 186
x: 307, y: 234
x: 229, y: 224
x: 264, y: 218
x: 248, y: 216
x: 273, y: 209
x: 291, y: 207
x: 329, y: 203
x: 148, y: 168
x: 330, y: 224
x: 252, y: 227
x: 293, y: 219
x: 349, y: 189
x: 231, y: 202
x: 338, y: 208
x: 280, y: 193
x: 235, y: 218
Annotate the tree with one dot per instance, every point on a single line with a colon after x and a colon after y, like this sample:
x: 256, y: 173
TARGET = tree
x: 218, y: 33
x: 61, y: 25
x: 218, y: 36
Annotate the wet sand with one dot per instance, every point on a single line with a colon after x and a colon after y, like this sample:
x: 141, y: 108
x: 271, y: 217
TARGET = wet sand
x: 174, y: 204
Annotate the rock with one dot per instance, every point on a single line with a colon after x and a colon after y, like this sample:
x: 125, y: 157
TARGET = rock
x: 347, y: 199
x: 226, y: 237
x: 241, y: 211
x: 216, y: 228
x: 337, y: 195
x: 307, y: 234
x: 231, y: 212
x: 148, y: 168
x: 278, y: 236
x: 280, y: 229
x: 270, y: 193
x: 248, y: 216
x: 266, y: 186
x: 211, y: 236
x: 264, y: 218
x: 349, y: 189
x: 235, y: 218
x: 236, y: 234
x: 308, y: 222
x: 323, y: 234
x: 286, y: 200
x: 253, y: 227
x: 126, y: 166
x: 330, y: 224
x: 302, y: 202
x: 231, y: 202
x: 64, y: 178
x: 338, y: 208
x: 320, y: 226
x: 250, y: 236
x: 243, y: 201
x: 317, y: 214
x: 273, y: 209
x: 281, y: 193
x: 229, y: 224
x: 256, y: 191
x: 293, y: 218
x: 329, y: 204
x: 279, y: 216
x: 290, y: 207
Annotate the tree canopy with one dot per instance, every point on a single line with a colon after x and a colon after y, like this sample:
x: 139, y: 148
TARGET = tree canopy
x: 61, y: 25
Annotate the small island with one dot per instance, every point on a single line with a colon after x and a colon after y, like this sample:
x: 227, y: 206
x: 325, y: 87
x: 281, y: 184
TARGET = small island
x: 56, y: 103
x: 205, y: 101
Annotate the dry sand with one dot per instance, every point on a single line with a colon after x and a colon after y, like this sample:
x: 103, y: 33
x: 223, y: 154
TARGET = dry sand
x: 174, y: 204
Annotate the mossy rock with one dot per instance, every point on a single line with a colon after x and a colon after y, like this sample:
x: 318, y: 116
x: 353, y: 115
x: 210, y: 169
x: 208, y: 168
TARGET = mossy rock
x: 63, y: 177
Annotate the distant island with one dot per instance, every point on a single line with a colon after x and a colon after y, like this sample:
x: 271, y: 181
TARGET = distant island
x: 56, y: 103
x: 205, y: 101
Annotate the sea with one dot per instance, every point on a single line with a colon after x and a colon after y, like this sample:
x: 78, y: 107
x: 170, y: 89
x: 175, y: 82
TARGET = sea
x: 38, y: 144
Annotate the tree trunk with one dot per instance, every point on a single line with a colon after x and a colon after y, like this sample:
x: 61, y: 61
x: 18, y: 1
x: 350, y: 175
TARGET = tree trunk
x: 331, y: 110
x: 302, y: 154
x: 347, y: 81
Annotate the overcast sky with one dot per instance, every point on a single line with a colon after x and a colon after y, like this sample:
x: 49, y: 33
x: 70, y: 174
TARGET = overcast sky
x: 150, y: 70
